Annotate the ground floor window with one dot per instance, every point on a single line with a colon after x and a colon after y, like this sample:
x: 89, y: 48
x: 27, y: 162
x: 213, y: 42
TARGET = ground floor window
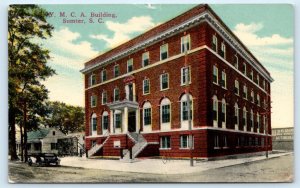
x: 184, y: 141
x: 216, y: 141
x: 165, y: 142
x: 118, y: 120
x: 37, y: 146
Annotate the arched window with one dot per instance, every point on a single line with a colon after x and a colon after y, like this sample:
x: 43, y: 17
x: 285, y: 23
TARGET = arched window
x: 184, y: 107
x: 223, y: 115
x: 147, y: 114
x: 165, y: 111
x: 94, y: 124
x: 215, y: 109
x: 236, y: 115
x: 105, y: 121
x: 245, y: 118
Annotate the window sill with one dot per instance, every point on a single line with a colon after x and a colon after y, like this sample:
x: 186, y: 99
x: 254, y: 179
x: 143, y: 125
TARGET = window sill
x: 224, y: 88
x: 184, y: 84
x: 186, y: 148
x: 164, y: 148
x: 226, y: 147
x: 216, y: 83
x: 164, y: 89
x: 146, y: 93
x: 217, y: 147
x: 237, y: 94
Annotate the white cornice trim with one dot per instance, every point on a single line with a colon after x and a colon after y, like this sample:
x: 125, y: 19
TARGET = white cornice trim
x: 211, y: 20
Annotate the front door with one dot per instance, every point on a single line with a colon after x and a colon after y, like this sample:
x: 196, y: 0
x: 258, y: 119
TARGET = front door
x: 131, y: 121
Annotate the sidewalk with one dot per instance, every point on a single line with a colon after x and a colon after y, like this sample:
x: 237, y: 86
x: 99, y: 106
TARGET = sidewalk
x: 156, y: 166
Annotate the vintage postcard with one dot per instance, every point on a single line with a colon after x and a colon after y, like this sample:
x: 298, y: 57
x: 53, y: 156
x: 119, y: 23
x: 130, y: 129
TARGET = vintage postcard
x: 150, y: 93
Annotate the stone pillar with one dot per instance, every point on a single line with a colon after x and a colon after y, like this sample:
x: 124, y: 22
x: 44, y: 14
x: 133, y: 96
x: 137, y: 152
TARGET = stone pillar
x: 137, y: 118
x: 112, y: 129
x: 133, y: 91
x: 127, y: 92
x: 125, y: 120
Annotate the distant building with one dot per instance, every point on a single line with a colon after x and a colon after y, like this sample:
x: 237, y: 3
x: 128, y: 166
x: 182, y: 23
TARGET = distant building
x: 283, y: 138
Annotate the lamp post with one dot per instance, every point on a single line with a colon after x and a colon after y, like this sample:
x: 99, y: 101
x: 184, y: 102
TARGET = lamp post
x: 188, y: 100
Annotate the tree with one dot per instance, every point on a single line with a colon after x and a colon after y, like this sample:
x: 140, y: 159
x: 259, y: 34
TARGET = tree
x: 66, y: 118
x: 27, y: 68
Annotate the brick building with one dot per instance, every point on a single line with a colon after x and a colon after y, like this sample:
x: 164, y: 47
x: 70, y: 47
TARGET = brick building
x: 136, y: 94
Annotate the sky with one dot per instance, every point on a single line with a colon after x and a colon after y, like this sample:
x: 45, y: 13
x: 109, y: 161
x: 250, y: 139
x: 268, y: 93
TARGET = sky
x: 266, y: 29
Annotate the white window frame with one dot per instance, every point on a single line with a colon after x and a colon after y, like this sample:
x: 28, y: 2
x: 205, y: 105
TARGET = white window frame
x: 161, y: 84
x: 224, y: 78
x: 167, y: 50
x: 252, y: 96
x: 93, y: 99
x: 165, y: 102
x: 182, y: 100
x: 216, y: 142
x: 216, y: 109
x: 93, y: 118
x: 223, y: 49
x: 215, y: 73
x: 116, y: 66
x: 237, y: 113
x: 237, y: 85
x: 130, y: 63
x: 102, y: 75
x: 185, y: 39
x: 104, y: 114
x: 163, y: 139
x: 215, y: 42
x: 146, y: 106
x: 145, y: 54
x: 115, y: 94
x: 245, y: 90
x: 236, y: 62
x: 104, y: 93
x: 183, y: 82
x: 245, y: 69
x: 224, y: 110
x: 245, y: 116
x: 92, y: 77
x: 187, y: 142
x: 144, y: 81
x: 258, y: 99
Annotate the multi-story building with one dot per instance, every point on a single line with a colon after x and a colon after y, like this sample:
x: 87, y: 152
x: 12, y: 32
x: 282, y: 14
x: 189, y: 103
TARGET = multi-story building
x: 136, y: 94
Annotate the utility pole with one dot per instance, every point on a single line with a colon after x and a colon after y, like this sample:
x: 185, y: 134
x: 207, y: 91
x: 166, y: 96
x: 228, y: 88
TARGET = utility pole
x: 187, y: 82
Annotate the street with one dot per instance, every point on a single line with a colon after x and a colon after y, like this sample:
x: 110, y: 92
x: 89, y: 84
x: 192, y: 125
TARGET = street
x: 279, y: 169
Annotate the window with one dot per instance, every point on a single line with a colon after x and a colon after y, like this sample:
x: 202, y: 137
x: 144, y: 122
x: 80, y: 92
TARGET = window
x: 165, y: 113
x: 116, y: 71
x: 130, y: 65
x: 53, y: 146
x: 147, y: 113
x: 185, y: 43
x: 216, y: 141
x: 37, y: 146
x: 215, y: 108
x: 225, y: 141
x: 251, y: 75
x: 236, y: 62
x: 251, y: 119
x: 258, y: 99
x: 244, y: 117
x: 146, y: 86
x: 223, y: 81
x: 92, y: 80
x: 118, y: 120
x: 215, y: 43
x: 236, y: 113
x: 116, y: 94
x: 105, y: 120
x: 104, y: 97
x: 145, y: 59
x: 93, y: 101
x: 103, y: 76
x: 223, y: 50
x: 53, y: 133
x: 264, y: 84
x: 185, y: 75
x: 258, y: 120
x: 252, y: 96
x: 184, y: 110
x: 94, y: 124
x: 215, y: 74
x: 257, y: 79
x: 165, y: 142
x: 164, y: 81
x: 223, y: 116
x: 244, y: 68
x: 184, y: 141
x: 245, y: 92
x: 163, y: 51
x: 236, y: 87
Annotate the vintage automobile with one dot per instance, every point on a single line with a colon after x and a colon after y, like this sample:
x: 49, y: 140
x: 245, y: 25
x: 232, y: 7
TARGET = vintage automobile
x: 44, y: 159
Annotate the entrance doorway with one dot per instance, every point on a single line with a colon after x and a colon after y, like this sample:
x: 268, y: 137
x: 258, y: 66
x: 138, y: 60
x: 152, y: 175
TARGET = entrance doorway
x: 131, y: 121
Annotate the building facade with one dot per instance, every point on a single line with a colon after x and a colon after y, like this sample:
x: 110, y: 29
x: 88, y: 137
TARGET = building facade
x: 136, y: 95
